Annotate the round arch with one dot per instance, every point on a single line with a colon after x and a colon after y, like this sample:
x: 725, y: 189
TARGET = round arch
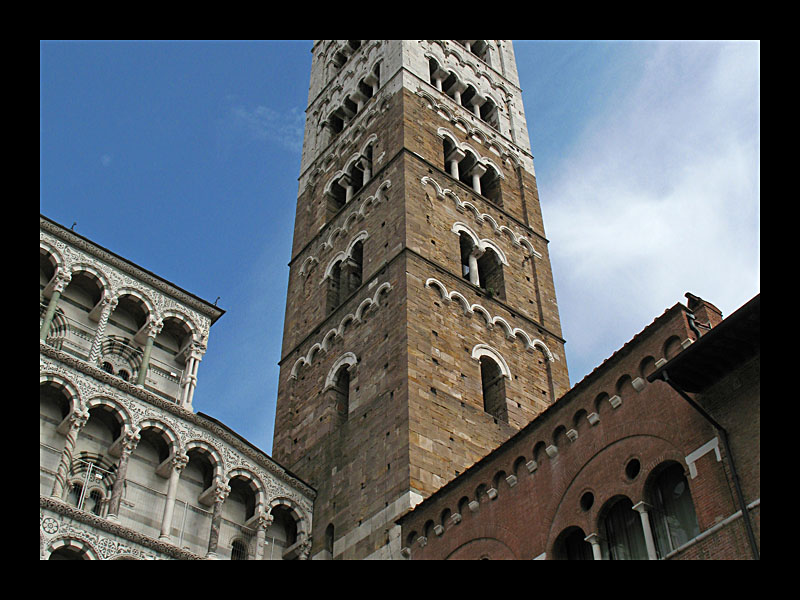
x: 481, y: 350
x: 348, y: 358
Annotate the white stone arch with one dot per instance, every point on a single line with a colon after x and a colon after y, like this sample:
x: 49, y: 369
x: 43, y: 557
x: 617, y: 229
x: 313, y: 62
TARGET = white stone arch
x: 498, y: 320
x: 500, y: 254
x: 308, y: 264
x: 296, y: 367
x: 363, y: 307
x: 537, y: 343
x: 481, y: 350
x: 173, y: 440
x: 339, y: 256
x: 68, y: 541
x: 329, y: 338
x: 298, y: 514
x: 459, y: 227
x: 73, y: 394
x: 215, y: 456
x: 370, y: 140
x: 258, y: 487
x: 458, y: 297
x: 117, y: 408
x: 487, y: 317
x: 359, y: 237
x: 194, y: 329
x: 348, y: 358
x: 53, y: 253
x: 128, y: 290
x: 432, y: 282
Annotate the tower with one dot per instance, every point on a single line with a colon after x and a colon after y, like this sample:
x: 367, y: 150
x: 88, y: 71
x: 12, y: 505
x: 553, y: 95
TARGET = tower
x: 421, y: 325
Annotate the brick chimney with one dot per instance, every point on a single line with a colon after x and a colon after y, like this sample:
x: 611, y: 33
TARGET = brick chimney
x: 706, y: 314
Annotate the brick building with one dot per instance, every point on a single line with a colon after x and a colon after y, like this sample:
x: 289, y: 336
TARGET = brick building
x: 652, y: 455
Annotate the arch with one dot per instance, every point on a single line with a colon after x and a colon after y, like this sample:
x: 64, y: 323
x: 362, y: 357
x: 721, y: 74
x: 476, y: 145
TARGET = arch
x: 256, y: 485
x: 132, y: 291
x: 431, y: 282
x: 349, y: 359
x: 86, y: 549
x: 172, y: 438
x: 71, y: 391
x: 215, y: 458
x: 173, y: 313
x: 339, y: 257
x: 117, y: 409
x: 295, y: 510
x: 481, y: 350
x: 359, y: 237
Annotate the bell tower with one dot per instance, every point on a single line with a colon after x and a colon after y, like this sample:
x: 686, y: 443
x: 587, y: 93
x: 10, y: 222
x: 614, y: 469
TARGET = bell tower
x: 421, y: 326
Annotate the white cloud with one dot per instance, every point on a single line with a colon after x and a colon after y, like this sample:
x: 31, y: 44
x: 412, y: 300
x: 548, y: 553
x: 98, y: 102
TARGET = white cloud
x: 262, y: 122
x: 658, y: 196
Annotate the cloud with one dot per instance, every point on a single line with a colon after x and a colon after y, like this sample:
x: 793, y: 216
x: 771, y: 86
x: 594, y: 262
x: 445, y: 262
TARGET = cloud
x: 264, y: 123
x: 658, y: 196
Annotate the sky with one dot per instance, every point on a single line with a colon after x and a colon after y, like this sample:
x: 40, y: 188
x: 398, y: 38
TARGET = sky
x: 184, y: 157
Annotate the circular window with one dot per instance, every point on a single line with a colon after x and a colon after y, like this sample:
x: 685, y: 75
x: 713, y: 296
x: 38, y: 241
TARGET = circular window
x: 632, y: 468
x: 587, y: 500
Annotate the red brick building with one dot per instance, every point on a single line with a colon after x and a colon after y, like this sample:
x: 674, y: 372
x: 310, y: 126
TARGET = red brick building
x: 652, y: 455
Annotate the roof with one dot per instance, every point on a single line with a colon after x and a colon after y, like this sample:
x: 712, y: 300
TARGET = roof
x: 724, y: 348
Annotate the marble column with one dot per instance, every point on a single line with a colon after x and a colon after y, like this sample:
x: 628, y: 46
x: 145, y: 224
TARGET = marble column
x: 179, y: 462
x: 641, y: 508
x: 109, y: 304
x: 76, y: 422
x: 129, y: 442
x: 59, y: 283
x: 594, y: 540
x: 221, y: 493
x: 153, y: 329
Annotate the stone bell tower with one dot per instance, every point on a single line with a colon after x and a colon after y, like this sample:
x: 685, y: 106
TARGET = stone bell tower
x: 421, y: 326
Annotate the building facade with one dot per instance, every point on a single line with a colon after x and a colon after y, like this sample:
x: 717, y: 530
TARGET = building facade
x: 127, y: 469
x: 421, y: 327
x: 654, y: 455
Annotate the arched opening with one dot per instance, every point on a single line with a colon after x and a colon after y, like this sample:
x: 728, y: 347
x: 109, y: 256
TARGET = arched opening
x: 490, y: 270
x: 490, y: 186
x: 571, y: 544
x: 145, y: 490
x: 282, y: 533
x: 334, y: 287
x: 238, y: 509
x: 494, y: 389
x: 69, y: 553
x: 672, y: 512
x: 238, y: 550
x: 54, y: 406
x: 191, y: 520
x: 341, y: 391
x: 329, y: 539
x: 622, y: 532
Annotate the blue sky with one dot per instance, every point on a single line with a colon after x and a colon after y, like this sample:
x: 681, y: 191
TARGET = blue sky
x: 183, y: 157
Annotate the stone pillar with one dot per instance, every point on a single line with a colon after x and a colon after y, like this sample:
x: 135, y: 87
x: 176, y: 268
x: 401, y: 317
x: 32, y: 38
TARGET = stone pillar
x: 594, y: 540
x: 455, y: 157
x: 153, y: 329
x: 220, y: 494
x: 641, y: 508
x: 262, y: 524
x: 473, y: 267
x: 196, y: 353
x: 129, y: 443
x: 477, y: 172
x: 76, y: 422
x: 59, y: 283
x: 179, y: 462
x: 366, y: 166
x: 109, y: 305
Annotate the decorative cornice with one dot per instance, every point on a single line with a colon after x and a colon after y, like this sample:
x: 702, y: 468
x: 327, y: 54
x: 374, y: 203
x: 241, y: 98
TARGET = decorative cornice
x: 62, y: 508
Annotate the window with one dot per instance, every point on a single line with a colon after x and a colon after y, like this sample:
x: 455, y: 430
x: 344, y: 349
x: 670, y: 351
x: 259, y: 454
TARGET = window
x: 341, y: 391
x: 494, y: 389
x: 673, y: 516
x: 345, y: 277
x: 622, y: 532
x: 238, y: 550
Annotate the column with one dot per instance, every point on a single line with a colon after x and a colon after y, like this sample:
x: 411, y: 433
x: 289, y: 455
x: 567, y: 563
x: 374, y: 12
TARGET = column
x: 76, y: 422
x: 153, y: 329
x: 60, y: 281
x: 129, y: 442
x: 196, y: 354
x: 477, y: 172
x: 594, y: 540
x: 109, y: 305
x: 221, y: 492
x: 641, y: 508
x: 473, y: 267
x: 179, y: 462
x: 262, y: 524
x: 455, y: 157
x: 366, y: 166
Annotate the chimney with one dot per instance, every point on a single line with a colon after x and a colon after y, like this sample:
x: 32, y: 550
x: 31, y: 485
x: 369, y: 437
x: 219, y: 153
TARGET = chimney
x: 706, y: 314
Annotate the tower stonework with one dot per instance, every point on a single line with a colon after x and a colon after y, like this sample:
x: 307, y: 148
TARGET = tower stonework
x: 421, y: 328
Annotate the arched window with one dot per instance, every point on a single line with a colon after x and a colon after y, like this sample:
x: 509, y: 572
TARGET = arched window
x: 622, y: 531
x: 672, y: 514
x: 334, y: 283
x: 572, y: 545
x: 341, y: 391
x: 493, y: 385
x: 329, y: 539
x: 238, y: 550
x: 490, y: 271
